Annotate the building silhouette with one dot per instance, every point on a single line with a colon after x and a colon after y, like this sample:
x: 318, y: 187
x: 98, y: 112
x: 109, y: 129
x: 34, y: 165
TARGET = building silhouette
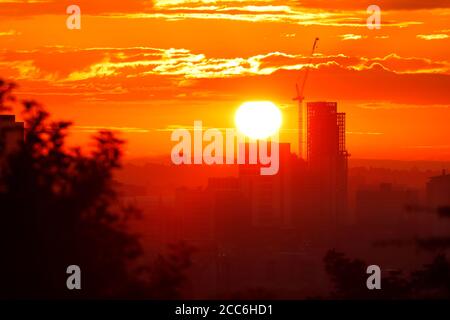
x: 326, y: 157
x: 231, y: 216
x: 11, y: 135
x: 438, y: 190
x: 270, y: 196
x: 193, y: 208
x: 384, y: 206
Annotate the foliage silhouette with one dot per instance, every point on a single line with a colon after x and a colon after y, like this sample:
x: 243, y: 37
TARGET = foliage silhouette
x: 349, y: 280
x: 59, y: 207
x: 433, y: 281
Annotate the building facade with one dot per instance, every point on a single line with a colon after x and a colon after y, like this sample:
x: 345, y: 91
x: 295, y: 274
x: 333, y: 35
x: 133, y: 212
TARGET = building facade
x: 326, y: 157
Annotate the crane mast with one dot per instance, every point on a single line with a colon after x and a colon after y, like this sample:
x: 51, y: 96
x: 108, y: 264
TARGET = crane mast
x: 300, y: 97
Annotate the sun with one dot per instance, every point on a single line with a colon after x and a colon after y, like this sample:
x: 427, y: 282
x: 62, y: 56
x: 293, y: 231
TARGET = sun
x: 258, y: 119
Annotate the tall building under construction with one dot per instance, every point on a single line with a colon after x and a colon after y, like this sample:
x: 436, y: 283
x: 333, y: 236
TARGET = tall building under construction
x: 326, y: 157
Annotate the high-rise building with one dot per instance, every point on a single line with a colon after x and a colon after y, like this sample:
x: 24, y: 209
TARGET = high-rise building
x: 232, y: 219
x: 11, y: 135
x: 327, y: 161
x: 196, y: 221
x: 269, y: 195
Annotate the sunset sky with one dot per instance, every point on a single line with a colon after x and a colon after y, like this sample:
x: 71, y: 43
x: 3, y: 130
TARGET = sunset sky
x: 146, y: 67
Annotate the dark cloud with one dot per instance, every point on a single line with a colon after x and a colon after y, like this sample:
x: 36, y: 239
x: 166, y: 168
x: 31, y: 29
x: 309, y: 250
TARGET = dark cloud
x: 24, y: 8
x: 383, y: 4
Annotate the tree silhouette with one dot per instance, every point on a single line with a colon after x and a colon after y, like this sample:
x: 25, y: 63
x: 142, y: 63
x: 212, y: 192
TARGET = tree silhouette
x: 347, y: 276
x: 349, y: 280
x: 165, y: 276
x: 58, y: 207
x: 432, y: 281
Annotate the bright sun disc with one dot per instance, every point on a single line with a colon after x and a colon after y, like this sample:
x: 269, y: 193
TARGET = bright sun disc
x: 258, y: 119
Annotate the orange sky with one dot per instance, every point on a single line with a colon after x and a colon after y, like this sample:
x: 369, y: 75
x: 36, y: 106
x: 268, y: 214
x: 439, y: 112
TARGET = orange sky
x: 145, y: 67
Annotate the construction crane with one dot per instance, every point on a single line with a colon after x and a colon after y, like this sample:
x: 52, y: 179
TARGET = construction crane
x: 300, y: 97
